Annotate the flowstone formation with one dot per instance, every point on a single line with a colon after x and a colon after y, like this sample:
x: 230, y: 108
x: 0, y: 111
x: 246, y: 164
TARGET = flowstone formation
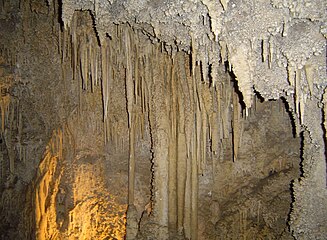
x: 163, y: 119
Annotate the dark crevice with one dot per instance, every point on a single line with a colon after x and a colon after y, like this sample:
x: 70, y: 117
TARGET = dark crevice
x: 323, y: 126
x: 291, y: 116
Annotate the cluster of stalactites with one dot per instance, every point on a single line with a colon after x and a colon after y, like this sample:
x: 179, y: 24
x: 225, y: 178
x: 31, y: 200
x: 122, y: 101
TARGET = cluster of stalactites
x: 11, y: 116
x: 193, y: 117
x: 78, y: 44
x: 302, y: 72
x: 171, y: 93
x: 302, y: 82
x: 93, y: 63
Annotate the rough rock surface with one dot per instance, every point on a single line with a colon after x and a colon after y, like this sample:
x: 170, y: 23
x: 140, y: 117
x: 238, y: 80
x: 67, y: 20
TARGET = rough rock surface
x: 207, y: 118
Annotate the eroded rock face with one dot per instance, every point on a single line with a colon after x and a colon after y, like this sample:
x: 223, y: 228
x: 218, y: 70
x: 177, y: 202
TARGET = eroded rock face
x: 155, y: 105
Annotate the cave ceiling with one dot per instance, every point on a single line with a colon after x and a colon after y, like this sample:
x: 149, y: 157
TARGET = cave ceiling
x: 268, y: 44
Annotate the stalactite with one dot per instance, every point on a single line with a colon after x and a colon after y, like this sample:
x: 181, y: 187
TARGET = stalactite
x: 159, y: 119
x: 285, y: 27
x: 215, y: 138
x: 264, y: 50
x: 2, y: 168
x: 92, y: 62
x: 59, y: 40
x: 74, y: 47
x: 194, y: 190
x: 4, y: 105
x: 194, y: 54
x: 271, y: 51
x: 226, y: 113
x: 236, y: 123
x: 63, y: 46
x: 219, y: 111
x: 129, y: 76
x: 181, y: 168
x: 19, y: 127
x: 136, y: 74
x: 96, y: 66
x: 69, y: 49
x: 297, y: 92
x: 132, y: 117
x: 131, y: 172
x: 189, y: 132
x: 302, y: 106
x: 204, y: 128
x: 83, y: 65
x: 195, y: 150
x: 173, y: 145
x: 10, y: 147
x: 105, y: 80
x: 309, y: 74
x: 291, y: 75
x: 224, y: 4
x: 182, y: 152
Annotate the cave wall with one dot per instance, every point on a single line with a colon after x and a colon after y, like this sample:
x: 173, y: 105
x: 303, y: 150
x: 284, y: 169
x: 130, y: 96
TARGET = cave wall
x: 153, y: 118
x: 31, y: 86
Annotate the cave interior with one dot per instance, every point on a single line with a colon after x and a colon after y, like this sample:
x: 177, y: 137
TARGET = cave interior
x: 188, y: 119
